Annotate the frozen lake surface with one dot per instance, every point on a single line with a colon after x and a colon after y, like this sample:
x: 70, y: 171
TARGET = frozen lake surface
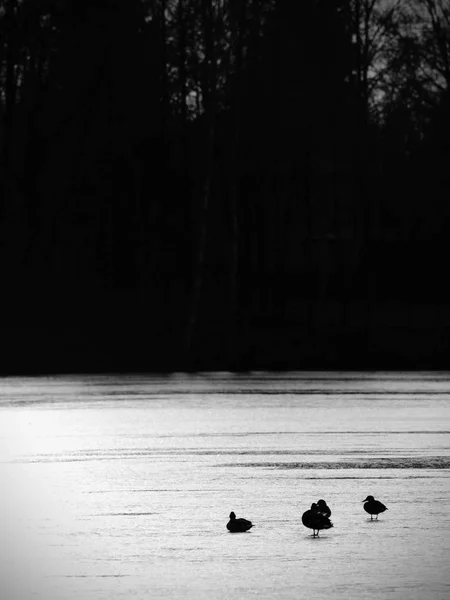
x: 120, y: 487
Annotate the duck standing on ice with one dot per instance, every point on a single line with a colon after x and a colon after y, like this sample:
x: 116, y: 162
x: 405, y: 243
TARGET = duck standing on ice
x: 315, y: 520
x: 373, y: 507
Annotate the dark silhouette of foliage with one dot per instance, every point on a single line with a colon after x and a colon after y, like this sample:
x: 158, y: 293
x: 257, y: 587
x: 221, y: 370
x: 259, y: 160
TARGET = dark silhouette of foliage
x: 223, y: 184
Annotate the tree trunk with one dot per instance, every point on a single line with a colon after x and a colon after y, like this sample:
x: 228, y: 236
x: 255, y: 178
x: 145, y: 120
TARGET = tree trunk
x: 164, y: 78
x: 182, y: 15
x: 362, y: 222
x: 209, y: 93
x: 10, y: 83
x: 237, y: 96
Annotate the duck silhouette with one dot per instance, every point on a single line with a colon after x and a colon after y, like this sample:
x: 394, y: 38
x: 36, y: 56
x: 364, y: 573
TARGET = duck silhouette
x: 315, y: 520
x: 323, y: 508
x: 373, y: 507
x: 235, y: 525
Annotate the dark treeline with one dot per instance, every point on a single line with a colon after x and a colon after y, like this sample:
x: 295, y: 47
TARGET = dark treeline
x: 224, y: 184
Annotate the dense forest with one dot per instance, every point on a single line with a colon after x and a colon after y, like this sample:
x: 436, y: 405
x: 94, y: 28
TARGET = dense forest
x: 224, y: 184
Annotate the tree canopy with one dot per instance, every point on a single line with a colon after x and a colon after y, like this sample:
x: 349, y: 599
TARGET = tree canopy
x: 224, y: 183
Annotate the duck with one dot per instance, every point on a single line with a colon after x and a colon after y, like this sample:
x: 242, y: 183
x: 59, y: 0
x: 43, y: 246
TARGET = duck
x: 315, y: 520
x: 373, y: 507
x: 323, y: 508
x: 236, y: 525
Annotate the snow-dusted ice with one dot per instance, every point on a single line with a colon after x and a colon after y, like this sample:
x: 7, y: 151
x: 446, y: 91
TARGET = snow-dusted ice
x: 120, y: 487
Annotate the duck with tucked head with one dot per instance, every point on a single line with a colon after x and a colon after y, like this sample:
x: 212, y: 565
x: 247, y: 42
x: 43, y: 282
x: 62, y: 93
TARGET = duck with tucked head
x: 373, y: 507
x: 323, y: 508
x: 236, y: 525
x: 315, y: 520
